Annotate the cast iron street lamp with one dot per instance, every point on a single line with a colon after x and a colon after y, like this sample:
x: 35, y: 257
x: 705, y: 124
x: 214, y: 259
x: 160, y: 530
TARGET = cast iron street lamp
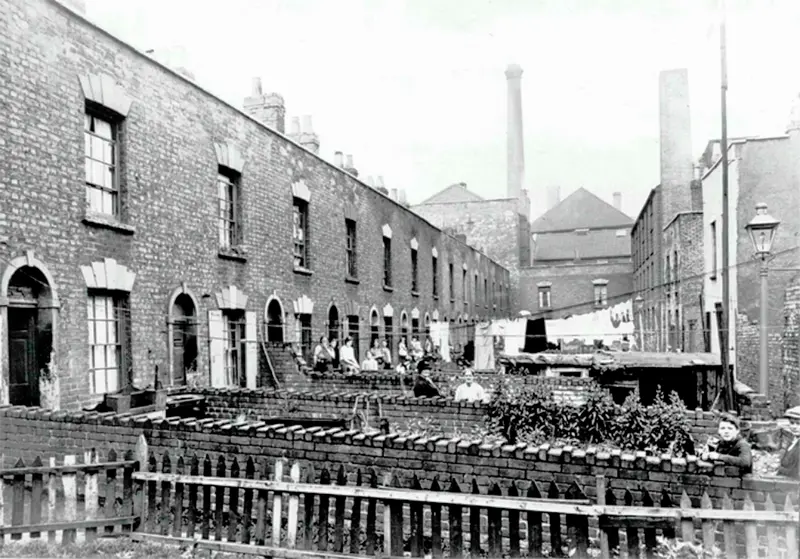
x: 762, y: 229
x: 639, y: 306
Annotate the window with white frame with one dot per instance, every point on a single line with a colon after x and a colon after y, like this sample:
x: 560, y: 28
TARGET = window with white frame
x: 101, y: 155
x: 233, y: 331
x: 228, y: 200
x: 300, y: 233
x: 108, y: 347
x: 544, y: 297
x: 600, y: 294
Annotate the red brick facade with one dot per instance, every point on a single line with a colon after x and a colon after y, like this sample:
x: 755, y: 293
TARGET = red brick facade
x: 163, y: 246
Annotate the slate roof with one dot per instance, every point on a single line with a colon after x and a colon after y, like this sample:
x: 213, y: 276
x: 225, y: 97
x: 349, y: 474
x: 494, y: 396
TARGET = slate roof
x: 594, y: 244
x: 453, y: 194
x: 581, y: 210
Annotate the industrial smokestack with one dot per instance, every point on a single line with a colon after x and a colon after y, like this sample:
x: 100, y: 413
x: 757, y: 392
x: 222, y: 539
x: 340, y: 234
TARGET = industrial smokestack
x: 618, y: 200
x: 676, y: 142
x: 516, y: 148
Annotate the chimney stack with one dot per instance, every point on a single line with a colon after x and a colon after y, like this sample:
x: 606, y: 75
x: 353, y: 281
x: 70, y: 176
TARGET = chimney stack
x: 294, y: 131
x: 308, y: 139
x: 553, y: 197
x: 337, y: 159
x: 349, y: 166
x: 379, y: 185
x: 697, y: 187
x: 618, y: 200
x: 515, y: 145
x: 268, y: 109
x: 676, y: 142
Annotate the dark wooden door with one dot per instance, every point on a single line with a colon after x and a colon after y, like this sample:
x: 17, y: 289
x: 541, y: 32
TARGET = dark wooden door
x: 179, y: 353
x: 23, y: 389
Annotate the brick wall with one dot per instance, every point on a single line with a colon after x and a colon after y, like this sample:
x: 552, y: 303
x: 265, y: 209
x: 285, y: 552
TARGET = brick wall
x: 495, y: 225
x: 168, y: 180
x: 790, y: 344
x: 683, y: 244
x: 646, y: 249
x: 572, y: 291
x: 766, y: 175
x: 29, y: 432
x: 404, y: 411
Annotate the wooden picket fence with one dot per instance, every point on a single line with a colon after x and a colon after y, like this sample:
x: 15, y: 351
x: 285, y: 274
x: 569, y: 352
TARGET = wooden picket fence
x: 221, y: 506
x: 68, y: 502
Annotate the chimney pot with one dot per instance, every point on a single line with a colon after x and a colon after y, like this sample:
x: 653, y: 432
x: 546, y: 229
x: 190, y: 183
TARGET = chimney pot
x: 337, y: 158
x: 379, y: 182
x: 307, y: 129
x: 393, y: 194
x: 349, y: 162
x: 402, y: 196
x: 295, y: 126
x: 371, y: 181
x: 267, y: 109
x: 618, y: 200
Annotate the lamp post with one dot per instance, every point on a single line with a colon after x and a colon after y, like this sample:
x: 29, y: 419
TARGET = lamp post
x: 639, y: 305
x: 762, y: 229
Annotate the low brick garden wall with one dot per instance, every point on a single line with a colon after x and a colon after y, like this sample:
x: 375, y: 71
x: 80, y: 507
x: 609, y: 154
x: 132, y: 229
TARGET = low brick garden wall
x: 564, y: 388
x: 30, y: 432
x: 403, y: 412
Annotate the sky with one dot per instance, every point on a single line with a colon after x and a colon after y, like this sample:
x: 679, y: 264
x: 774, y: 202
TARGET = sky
x: 415, y: 89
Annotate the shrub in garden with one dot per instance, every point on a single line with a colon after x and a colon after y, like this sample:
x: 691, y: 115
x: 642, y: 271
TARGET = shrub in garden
x: 530, y: 414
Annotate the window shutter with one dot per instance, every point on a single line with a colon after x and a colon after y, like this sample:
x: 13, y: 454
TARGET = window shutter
x: 251, y: 349
x: 216, y: 348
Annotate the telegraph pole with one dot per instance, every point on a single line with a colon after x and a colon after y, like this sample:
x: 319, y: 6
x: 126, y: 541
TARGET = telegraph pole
x: 726, y: 320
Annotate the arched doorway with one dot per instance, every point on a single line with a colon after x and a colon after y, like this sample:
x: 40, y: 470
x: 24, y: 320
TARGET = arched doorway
x: 374, y: 327
x: 184, y: 338
x: 333, y: 323
x: 275, y: 321
x: 404, y: 327
x: 30, y: 334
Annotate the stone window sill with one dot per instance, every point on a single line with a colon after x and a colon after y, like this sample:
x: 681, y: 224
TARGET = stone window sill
x: 388, y: 288
x: 351, y: 279
x: 414, y: 293
x: 239, y: 255
x: 108, y: 222
x: 435, y: 297
x: 303, y: 271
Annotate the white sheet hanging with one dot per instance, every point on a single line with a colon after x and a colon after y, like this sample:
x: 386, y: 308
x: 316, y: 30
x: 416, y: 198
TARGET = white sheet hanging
x: 484, y: 347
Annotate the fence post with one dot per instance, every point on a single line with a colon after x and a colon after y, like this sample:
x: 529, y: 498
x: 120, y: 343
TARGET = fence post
x: 142, y: 455
x: 605, y: 552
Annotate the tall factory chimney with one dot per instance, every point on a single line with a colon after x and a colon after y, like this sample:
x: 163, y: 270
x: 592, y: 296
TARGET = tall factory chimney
x: 516, y: 148
x: 677, y: 165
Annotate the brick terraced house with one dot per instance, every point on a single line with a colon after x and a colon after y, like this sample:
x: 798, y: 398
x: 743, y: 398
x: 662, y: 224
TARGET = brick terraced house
x: 581, y: 256
x: 146, y: 223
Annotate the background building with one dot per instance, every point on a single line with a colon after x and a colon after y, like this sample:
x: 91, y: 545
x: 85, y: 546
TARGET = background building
x: 760, y: 170
x: 581, y: 256
x: 150, y: 224
x: 667, y: 239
